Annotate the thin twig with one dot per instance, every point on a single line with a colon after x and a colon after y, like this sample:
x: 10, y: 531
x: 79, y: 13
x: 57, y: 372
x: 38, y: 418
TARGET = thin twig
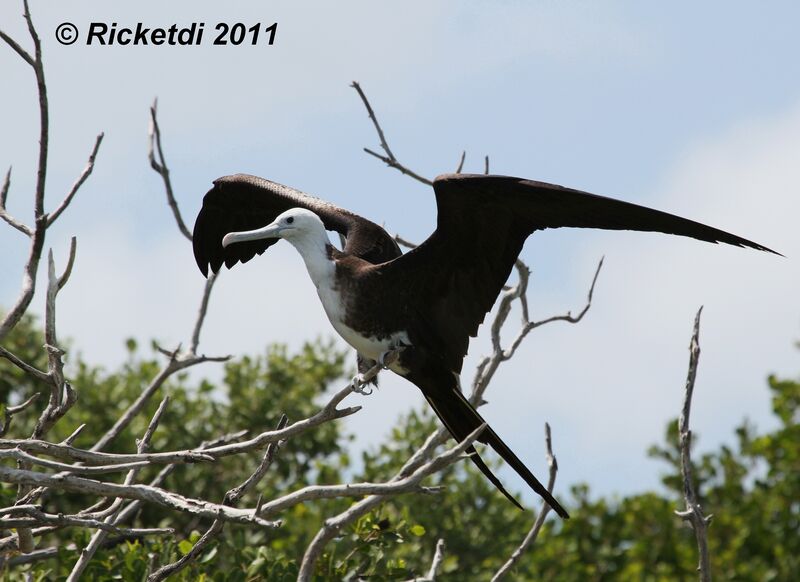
x: 530, y: 538
x: 232, y: 498
x: 201, y: 314
x: 389, y: 159
x: 374, y: 119
x: 400, y: 167
x: 175, y: 364
x: 20, y: 226
x: 693, y: 512
x: 154, y: 495
x: 53, y: 216
x: 333, y: 525
x: 19, y: 308
x: 10, y: 411
x: 37, y: 517
x: 18, y: 49
x: 436, y: 564
x: 461, y: 161
x: 33, y: 372
x: 20, y: 455
x: 160, y: 166
x: 112, y: 513
x: 97, y: 458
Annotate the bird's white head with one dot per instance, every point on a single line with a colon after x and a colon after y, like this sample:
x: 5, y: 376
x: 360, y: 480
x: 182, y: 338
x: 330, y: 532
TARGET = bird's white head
x: 294, y: 225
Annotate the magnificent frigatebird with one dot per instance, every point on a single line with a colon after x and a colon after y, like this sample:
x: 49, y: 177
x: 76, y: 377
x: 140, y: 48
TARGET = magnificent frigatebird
x: 430, y: 300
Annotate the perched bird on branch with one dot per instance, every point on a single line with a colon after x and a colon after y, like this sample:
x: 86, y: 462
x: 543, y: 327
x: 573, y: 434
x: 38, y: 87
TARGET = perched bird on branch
x: 423, y: 305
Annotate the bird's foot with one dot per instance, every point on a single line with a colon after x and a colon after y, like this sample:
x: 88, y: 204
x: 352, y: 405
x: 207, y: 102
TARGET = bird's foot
x: 359, y: 384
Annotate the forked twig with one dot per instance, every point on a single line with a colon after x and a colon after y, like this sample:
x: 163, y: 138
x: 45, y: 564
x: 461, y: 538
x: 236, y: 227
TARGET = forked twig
x: 693, y: 512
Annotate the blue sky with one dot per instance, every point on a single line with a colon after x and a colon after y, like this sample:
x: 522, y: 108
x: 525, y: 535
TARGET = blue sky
x: 692, y: 108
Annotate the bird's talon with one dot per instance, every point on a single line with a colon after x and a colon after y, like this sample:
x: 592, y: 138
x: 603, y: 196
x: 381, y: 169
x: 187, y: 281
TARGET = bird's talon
x: 360, y: 385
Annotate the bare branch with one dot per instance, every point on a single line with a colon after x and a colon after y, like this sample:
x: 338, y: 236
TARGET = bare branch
x: 327, y: 413
x: 160, y: 166
x: 68, y: 452
x: 375, y: 492
x: 234, y: 495
x: 18, y: 49
x: 201, y: 314
x: 568, y: 317
x: 694, y: 512
x: 197, y: 550
x: 232, y: 498
x: 33, y: 372
x: 374, y: 119
x: 62, y: 396
x: 62, y: 280
x: 10, y: 411
x: 112, y: 513
x: 154, y: 495
x: 53, y: 216
x: 71, y: 438
x: 405, y: 243
x: 23, y: 228
x: 436, y: 563
x: 400, y: 167
x: 461, y: 161
x: 44, y: 121
x: 20, y: 455
x: 489, y: 364
x: 552, y: 463
x: 37, y: 517
x: 389, y: 159
x: 175, y: 364
x: 16, y: 312
x: 134, y: 506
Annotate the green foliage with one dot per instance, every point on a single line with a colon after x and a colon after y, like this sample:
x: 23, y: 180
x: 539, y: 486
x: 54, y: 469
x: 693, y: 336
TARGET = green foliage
x: 751, y: 488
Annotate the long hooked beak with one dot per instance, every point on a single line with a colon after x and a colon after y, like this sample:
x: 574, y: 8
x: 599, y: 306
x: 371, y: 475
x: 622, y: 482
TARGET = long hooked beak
x: 270, y: 231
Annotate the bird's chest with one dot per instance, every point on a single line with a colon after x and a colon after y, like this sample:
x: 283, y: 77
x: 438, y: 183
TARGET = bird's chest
x: 352, y: 321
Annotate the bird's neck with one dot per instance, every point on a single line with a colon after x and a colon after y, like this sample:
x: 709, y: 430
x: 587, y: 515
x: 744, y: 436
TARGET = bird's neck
x: 316, y: 251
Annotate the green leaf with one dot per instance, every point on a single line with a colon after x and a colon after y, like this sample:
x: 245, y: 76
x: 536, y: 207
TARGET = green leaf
x: 185, y: 547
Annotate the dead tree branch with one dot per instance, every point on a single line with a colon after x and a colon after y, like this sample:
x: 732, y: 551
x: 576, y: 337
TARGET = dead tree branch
x: 436, y: 564
x: 41, y: 219
x: 232, y: 498
x: 389, y: 158
x: 160, y: 166
x: 400, y: 484
x: 53, y: 216
x: 530, y: 538
x: 37, y: 517
x: 154, y: 495
x: 10, y: 411
x: 111, y: 515
x: 693, y: 512
x: 4, y: 214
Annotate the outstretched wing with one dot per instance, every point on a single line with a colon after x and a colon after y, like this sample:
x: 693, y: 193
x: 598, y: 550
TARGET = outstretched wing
x: 242, y: 202
x: 452, y: 280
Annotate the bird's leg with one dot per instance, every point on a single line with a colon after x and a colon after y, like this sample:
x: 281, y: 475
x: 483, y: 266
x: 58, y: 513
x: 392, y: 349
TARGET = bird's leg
x: 390, y: 356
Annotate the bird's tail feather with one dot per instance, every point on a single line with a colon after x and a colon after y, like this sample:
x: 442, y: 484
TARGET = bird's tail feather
x: 460, y: 418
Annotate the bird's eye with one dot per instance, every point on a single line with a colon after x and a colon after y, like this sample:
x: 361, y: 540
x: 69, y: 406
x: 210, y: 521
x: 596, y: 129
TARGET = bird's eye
x: 290, y: 220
